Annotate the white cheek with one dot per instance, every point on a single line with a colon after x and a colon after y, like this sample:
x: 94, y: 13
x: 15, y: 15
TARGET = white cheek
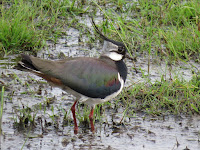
x: 115, y: 56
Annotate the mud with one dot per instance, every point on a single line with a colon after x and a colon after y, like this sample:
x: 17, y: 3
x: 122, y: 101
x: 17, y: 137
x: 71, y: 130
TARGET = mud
x: 47, y: 106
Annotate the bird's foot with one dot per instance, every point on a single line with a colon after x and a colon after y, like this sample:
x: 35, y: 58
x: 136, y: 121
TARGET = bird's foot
x: 75, y: 130
x: 92, y: 129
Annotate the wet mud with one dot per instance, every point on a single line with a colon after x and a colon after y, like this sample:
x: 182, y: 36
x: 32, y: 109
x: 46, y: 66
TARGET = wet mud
x: 29, y: 97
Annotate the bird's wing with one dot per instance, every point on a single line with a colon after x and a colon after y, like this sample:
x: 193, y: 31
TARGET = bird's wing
x: 88, y: 76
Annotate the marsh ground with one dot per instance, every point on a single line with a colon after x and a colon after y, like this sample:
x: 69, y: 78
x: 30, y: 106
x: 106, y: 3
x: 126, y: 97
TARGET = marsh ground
x: 159, y: 107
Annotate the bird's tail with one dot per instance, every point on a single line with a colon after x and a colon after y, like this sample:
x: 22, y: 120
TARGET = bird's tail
x: 25, y: 64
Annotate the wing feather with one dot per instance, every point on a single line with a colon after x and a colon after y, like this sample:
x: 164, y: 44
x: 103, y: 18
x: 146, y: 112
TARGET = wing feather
x: 88, y: 76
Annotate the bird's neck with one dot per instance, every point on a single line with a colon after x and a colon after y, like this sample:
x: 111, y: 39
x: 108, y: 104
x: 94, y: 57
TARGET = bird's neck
x: 121, y: 66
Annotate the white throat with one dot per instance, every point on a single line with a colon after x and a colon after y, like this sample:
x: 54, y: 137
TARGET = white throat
x: 115, y: 56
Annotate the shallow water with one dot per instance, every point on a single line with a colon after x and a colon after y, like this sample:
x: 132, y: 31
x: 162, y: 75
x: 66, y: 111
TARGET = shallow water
x: 138, y: 132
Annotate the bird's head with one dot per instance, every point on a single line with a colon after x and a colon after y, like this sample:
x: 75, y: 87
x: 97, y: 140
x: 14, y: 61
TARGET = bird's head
x: 113, y: 49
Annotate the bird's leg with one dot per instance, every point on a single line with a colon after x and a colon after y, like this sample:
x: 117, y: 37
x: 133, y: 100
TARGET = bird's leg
x: 74, y: 117
x: 91, y: 119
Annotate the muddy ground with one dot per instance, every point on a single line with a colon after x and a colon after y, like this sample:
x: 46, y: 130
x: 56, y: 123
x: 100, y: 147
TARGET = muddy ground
x: 140, y: 131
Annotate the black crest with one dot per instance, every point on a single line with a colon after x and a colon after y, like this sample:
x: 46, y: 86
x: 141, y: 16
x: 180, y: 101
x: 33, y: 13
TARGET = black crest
x: 121, y: 46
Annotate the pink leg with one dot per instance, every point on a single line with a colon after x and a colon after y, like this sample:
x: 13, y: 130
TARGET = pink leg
x: 91, y: 119
x: 74, y: 117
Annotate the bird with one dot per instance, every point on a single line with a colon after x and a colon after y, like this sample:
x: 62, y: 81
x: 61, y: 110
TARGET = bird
x: 91, y: 80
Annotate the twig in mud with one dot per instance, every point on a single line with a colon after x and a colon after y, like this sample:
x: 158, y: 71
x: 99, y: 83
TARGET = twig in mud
x: 1, y: 111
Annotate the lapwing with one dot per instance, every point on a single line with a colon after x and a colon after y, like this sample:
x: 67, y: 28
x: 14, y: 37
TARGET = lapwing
x: 91, y: 80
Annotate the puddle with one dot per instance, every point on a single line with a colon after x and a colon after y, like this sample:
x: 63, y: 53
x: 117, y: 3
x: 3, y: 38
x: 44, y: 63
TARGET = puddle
x: 139, y: 132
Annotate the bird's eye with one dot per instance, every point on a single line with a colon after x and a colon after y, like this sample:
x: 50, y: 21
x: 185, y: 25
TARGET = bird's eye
x: 121, y: 49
